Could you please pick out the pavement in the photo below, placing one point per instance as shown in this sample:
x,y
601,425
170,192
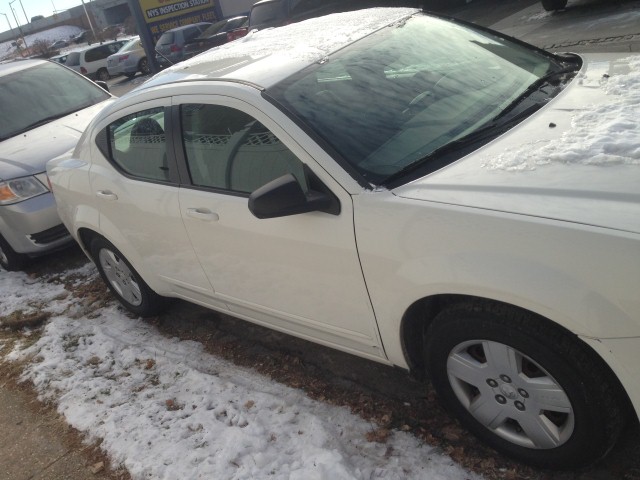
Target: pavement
x,y
36,444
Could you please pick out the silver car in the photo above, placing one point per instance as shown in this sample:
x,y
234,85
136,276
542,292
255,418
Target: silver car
x,y
129,60
45,108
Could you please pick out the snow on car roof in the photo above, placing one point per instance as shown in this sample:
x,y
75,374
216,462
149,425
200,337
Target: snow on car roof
x,y
254,57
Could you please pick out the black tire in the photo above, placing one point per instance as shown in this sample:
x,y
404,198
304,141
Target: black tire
x,y
551,5
572,426
103,75
11,260
124,282
143,66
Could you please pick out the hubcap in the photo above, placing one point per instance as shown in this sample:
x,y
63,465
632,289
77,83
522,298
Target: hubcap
x,y
120,277
510,394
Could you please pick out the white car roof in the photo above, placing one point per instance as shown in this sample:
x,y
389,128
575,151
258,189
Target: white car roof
x,y
265,57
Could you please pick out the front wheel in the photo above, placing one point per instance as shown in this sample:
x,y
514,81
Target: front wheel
x,y
550,5
124,282
525,387
11,260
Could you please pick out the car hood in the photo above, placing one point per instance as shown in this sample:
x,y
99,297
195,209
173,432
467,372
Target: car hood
x,y
27,153
577,159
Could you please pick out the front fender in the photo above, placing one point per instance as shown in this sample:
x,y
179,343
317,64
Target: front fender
x,y
580,277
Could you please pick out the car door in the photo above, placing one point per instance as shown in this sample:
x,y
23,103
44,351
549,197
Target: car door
x,y
298,273
135,183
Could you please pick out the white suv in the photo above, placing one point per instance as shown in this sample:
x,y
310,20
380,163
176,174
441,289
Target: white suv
x,y
92,61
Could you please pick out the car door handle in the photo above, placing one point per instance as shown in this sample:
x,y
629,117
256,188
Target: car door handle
x,y
106,194
202,214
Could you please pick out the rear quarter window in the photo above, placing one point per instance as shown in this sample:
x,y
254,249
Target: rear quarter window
x,y
96,54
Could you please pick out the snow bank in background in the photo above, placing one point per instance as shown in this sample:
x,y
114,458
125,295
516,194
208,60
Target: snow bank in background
x,y
600,135
166,409
62,32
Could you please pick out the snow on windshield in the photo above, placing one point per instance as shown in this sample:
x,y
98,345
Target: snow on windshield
x,y
603,134
166,409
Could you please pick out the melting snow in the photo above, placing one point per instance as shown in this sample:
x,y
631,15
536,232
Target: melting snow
x,y
166,409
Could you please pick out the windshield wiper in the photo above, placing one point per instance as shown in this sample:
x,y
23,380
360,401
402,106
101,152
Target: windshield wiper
x,y
497,125
534,87
39,123
438,158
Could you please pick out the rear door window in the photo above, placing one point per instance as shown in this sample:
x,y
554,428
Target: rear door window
x,y
138,144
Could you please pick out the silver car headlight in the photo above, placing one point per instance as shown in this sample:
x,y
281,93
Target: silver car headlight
x,y
20,189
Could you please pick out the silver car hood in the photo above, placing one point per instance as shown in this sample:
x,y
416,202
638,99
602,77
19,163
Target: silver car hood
x,y
27,153
577,159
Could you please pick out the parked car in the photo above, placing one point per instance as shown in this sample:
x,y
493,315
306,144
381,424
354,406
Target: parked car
x,y
92,61
550,5
275,13
45,108
217,34
59,58
58,45
170,45
81,37
369,190
129,60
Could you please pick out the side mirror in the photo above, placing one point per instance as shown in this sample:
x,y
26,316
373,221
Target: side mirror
x,y
284,196
102,85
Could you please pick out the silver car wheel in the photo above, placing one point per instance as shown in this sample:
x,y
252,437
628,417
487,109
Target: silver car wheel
x,y
120,277
510,394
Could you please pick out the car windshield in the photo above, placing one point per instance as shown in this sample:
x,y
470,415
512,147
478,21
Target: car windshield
x,y
130,45
213,29
266,13
166,38
42,93
387,102
73,59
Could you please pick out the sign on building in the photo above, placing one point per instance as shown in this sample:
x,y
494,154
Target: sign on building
x,y
162,15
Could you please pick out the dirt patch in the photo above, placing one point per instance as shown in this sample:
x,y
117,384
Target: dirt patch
x,y
97,463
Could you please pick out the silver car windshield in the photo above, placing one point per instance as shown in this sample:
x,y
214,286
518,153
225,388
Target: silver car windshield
x,y
388,101
41,94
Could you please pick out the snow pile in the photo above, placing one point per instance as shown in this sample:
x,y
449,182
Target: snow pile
x,y
166,409
604,134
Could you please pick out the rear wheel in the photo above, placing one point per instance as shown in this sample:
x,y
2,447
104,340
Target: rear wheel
x,y
11,260
124,282
103,75
551,5
143,66
524,386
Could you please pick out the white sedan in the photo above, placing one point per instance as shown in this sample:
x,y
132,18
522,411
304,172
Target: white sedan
x,y
413,190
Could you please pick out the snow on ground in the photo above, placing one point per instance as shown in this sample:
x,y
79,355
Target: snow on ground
x,y
166,409
602,134
62,32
